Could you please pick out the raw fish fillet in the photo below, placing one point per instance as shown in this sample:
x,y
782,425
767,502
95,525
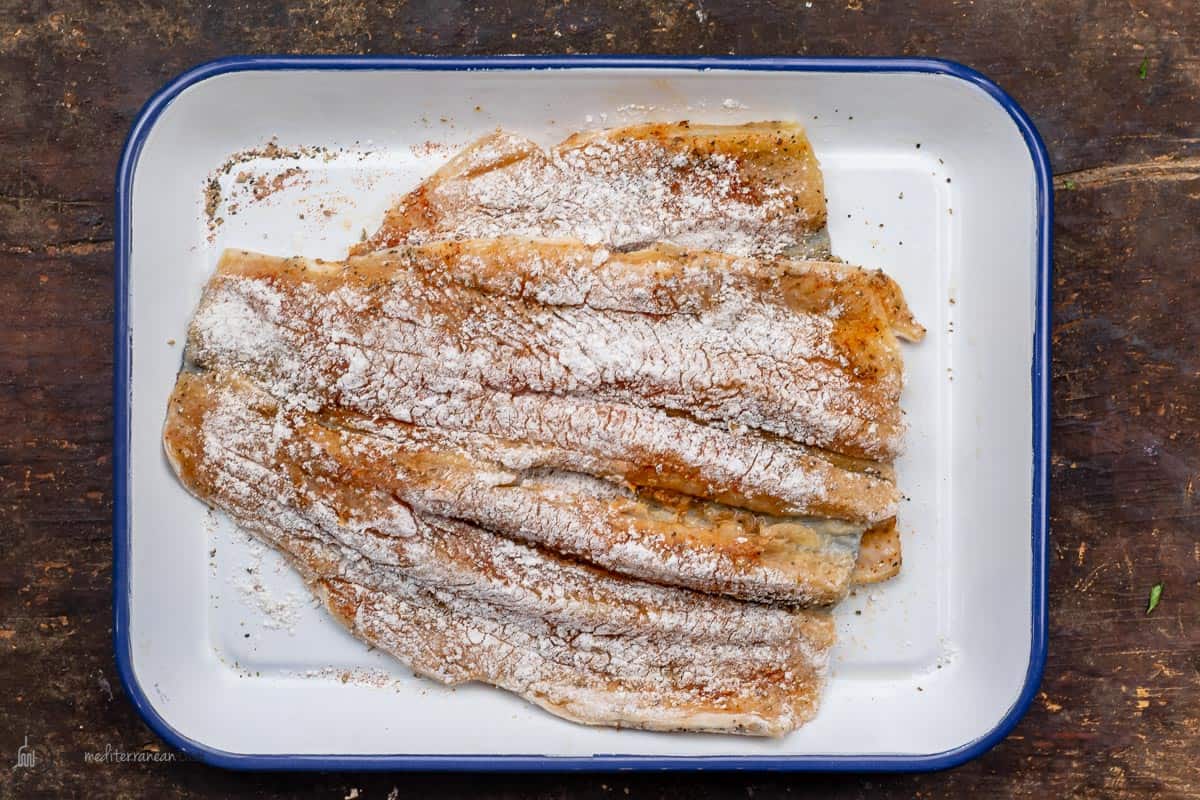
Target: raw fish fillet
x,y
751,189
459,603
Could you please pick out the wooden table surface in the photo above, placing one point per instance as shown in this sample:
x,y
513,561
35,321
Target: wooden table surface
x,y
1114,88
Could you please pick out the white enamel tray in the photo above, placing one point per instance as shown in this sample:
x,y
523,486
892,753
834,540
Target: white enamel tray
x,y
932,174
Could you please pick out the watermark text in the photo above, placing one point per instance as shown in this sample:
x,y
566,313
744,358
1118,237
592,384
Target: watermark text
x,y
112,755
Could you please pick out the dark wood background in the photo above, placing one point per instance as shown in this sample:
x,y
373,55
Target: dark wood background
x,y
1114,88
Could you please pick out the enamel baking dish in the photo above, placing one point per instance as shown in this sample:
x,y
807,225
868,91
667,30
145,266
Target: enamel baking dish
x,y
932,174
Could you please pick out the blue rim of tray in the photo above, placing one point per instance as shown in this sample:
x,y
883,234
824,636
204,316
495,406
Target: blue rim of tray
x,y
600,762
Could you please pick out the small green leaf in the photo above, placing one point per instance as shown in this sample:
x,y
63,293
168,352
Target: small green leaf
x,y
1144,69
1069,185
1155,596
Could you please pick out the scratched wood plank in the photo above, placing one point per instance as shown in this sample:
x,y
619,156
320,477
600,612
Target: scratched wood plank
x,y
1119,713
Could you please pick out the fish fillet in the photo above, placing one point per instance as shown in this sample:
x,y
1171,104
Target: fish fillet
x,y
743,189
800,349
309,332
659,536
459,603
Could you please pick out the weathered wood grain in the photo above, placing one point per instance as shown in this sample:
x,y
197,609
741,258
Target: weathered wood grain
x,y
1119,714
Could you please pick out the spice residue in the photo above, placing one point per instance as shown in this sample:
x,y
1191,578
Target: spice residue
x,y
258,187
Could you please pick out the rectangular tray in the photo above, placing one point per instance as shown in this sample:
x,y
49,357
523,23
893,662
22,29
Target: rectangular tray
x,y
932,173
